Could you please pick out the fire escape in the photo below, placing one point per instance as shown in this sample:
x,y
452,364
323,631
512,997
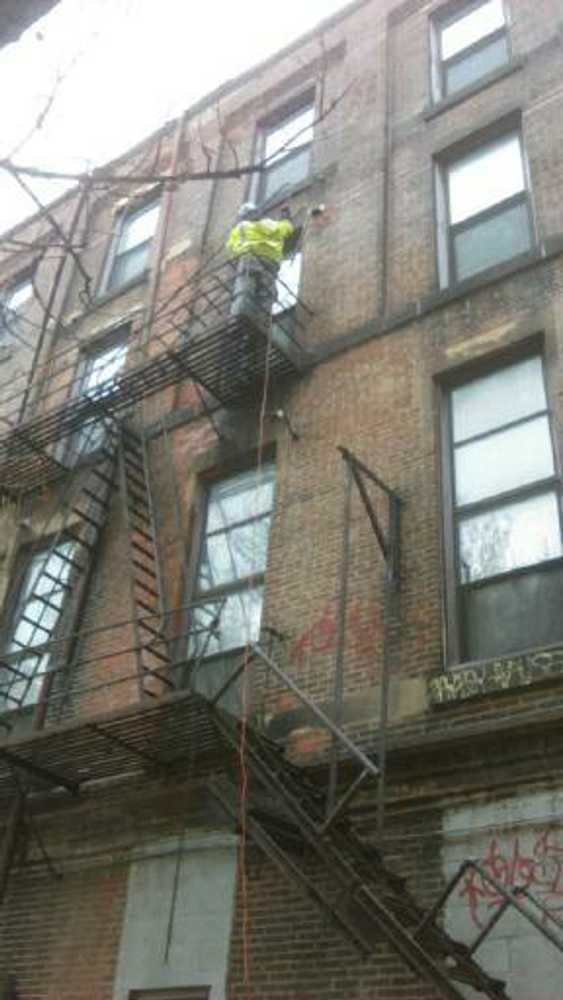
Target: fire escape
x,y
301,824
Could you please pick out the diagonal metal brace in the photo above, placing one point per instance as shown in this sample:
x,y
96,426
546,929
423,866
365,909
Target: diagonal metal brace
x,y
40,772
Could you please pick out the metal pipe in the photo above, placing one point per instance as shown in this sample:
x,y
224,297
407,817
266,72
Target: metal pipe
x,y
345,800
391,617
341,636
50,302
10,841
368,472
162,230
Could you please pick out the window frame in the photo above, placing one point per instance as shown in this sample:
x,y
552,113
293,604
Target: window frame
x,y
126,216
447,231
443,19
18,281
264,129
89,351
173,993
452,513
15,604
198,596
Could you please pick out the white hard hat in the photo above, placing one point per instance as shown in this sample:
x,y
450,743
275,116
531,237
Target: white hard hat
x,y
247,210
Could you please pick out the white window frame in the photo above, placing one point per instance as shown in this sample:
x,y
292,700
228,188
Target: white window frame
x,y
444,19
11,315
266,130
127,218
448,230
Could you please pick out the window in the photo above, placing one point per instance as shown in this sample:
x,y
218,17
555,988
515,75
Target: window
x,y
189,993
487,208
12,310
286,148
287,289
506,510
97,377
469,44
34,618
232,563
129,255
289,277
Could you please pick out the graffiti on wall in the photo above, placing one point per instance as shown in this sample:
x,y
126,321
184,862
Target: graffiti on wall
x,y
536,866
495,675
362,621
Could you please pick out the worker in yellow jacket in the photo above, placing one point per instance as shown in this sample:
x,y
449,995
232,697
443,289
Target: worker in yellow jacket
x,y
259,244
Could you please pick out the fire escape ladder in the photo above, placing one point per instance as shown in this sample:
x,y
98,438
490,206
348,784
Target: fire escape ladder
x,y
147,605
64,565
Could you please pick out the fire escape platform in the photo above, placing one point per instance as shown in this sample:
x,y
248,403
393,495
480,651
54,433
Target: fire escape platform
x,y
177,728
232,361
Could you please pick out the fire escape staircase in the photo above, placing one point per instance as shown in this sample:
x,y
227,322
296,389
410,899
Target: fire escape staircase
x,y
287,815
84,509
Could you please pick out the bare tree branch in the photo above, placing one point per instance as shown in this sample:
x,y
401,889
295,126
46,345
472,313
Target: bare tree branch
x,y
100,177
46,213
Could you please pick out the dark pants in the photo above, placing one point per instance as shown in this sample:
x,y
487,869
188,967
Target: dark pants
x,y
253,295
254,291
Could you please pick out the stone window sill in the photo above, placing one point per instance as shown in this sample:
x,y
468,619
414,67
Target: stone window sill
x,y
499,675
104,297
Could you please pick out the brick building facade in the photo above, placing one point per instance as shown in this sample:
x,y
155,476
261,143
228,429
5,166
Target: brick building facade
x,y
361,498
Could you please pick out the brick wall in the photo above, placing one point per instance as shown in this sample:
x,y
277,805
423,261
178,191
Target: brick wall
x,y
370,276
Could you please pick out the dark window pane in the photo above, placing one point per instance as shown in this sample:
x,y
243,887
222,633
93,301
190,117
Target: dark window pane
x,y
509,537
475,65
515,614
286,173
492,241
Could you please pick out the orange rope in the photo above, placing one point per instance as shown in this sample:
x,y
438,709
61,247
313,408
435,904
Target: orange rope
x,y
243,788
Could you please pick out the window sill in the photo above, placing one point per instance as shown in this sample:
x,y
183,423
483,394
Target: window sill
x,y
415,311
496,676
105,297
474,88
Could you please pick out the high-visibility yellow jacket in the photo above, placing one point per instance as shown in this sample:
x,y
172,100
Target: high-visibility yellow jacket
x,y
262,238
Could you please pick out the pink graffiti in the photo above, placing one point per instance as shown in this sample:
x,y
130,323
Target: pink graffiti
x,y
539,870
321,637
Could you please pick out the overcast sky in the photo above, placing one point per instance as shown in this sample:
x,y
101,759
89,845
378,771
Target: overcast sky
x,y
126,66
